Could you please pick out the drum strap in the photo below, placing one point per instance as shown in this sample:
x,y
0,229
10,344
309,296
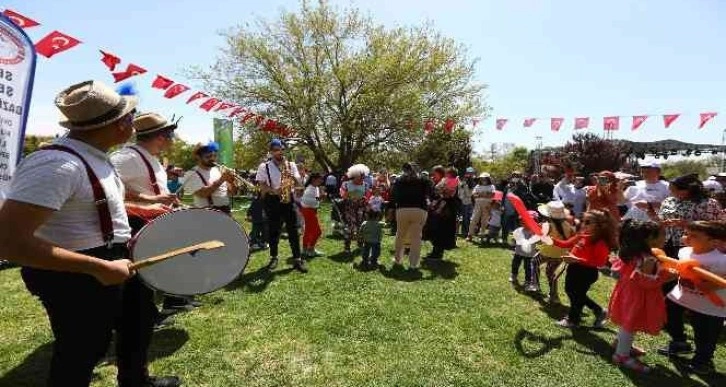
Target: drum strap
x,y
99,195
204,181
150,169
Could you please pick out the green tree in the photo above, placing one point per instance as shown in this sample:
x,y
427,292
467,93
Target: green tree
x,y
441,148
32,143
349,87
500,168
674,169
591,153
180,154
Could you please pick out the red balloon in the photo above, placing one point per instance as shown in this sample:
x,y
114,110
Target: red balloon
x,y
527,220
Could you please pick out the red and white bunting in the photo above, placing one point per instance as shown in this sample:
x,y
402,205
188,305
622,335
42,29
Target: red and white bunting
x,y
449,125
20,20
197,96
705,117
161,82
110,60
175,90
501,122
556,124
132,70
209,104
669,118
528,122
55,43
582,123
637,121
611,123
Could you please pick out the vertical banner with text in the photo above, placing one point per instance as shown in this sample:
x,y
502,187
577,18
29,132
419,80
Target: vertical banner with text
x,y
223,137
17,70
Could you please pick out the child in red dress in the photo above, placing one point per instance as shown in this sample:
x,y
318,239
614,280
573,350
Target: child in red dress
x,y
637,303
589,251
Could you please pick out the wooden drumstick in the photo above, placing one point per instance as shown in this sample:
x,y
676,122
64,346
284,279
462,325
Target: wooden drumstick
x,y
703,273
175,253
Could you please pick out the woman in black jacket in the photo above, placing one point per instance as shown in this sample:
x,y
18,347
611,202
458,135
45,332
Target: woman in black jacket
x,y
409,197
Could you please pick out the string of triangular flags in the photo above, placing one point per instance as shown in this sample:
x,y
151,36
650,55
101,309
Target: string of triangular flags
x,y
608,123
57,42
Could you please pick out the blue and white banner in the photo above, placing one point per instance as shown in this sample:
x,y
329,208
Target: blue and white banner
x,y
17,70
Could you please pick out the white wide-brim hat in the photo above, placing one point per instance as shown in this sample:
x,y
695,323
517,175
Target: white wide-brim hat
x,y
92,105
553,210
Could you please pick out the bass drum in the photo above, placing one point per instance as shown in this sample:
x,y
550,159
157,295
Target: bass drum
x,y
200,272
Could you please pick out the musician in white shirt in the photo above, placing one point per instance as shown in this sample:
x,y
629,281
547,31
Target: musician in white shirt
x,y
67,227
269,176
210,186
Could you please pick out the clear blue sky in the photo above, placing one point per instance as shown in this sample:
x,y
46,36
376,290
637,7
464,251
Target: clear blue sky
x,y
540,58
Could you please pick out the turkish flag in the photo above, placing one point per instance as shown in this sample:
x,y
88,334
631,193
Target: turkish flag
x,y
705,117
176,90
637,121
669,118
161,82
501,122
110,60
429,126
270,126
196,96
132,70
582,122
556,124
449,125
224,105
611,123
209,104
20,20
247,117
55,43
259,120
236,111
528,122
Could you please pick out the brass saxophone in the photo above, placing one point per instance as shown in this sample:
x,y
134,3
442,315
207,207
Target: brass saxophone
x,y
287,182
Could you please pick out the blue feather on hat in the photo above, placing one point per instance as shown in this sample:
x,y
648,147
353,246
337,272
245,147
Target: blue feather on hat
x,y
127,89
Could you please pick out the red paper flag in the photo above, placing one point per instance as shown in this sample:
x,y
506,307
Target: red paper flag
x,y
209,104
247,117
475,122
637,121
611,123
110,60
556,124
259,120
236,111
501,122
582,122
669,118
429,126
20,20
528,122
196,96
55,43
161,82
224,105
132,70
449,125
270,126
705,117
176,90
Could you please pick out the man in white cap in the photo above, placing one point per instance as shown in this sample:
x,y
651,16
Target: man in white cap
x,y
69,232
647,194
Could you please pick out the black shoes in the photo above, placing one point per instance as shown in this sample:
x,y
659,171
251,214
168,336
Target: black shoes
x,y
676,348
162,381
300,265
272,264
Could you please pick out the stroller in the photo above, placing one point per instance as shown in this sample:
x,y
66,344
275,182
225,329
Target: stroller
x,y
336,216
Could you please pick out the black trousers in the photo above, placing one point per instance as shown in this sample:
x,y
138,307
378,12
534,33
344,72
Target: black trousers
x,y
706,331
83,314
578,281
517,262
674,325
277,213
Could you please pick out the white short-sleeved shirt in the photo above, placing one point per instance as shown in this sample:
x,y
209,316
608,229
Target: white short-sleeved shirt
x,y
134,173
58,180
275,174
656,192
564,192
310,197
483,189
683,294
192,184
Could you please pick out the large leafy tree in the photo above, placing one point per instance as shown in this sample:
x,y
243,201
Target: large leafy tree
x,y
349,87
441,148
594,154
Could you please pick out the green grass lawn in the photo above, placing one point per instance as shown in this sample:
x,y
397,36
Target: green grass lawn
x,y
461,324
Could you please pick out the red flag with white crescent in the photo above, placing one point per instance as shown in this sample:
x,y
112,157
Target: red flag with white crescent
x,y
176,90
669,118
528,122
236,111
582,122
259,120
209,104
55,43
637,121
224,105
247,117
611,123
162,82
449,125
20,20
705,117
556,124
132,70
110,60
429,126
196,96
270,126
501,122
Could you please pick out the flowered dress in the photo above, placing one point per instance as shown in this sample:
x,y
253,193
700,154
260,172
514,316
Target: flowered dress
x,y
354,209
637,303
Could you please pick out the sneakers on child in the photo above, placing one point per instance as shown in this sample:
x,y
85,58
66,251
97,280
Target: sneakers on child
x,y
631,363
600,319
532,288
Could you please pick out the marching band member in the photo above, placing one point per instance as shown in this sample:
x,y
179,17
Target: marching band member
x,y
280,209
145,179
210,186
69,232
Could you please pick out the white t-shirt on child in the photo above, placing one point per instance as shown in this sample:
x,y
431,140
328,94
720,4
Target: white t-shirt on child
x,y
375,203
483,189
310,197
685,295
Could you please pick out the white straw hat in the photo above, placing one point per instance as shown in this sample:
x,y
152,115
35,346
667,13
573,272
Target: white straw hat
x,y
147,123
92,105
553,210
